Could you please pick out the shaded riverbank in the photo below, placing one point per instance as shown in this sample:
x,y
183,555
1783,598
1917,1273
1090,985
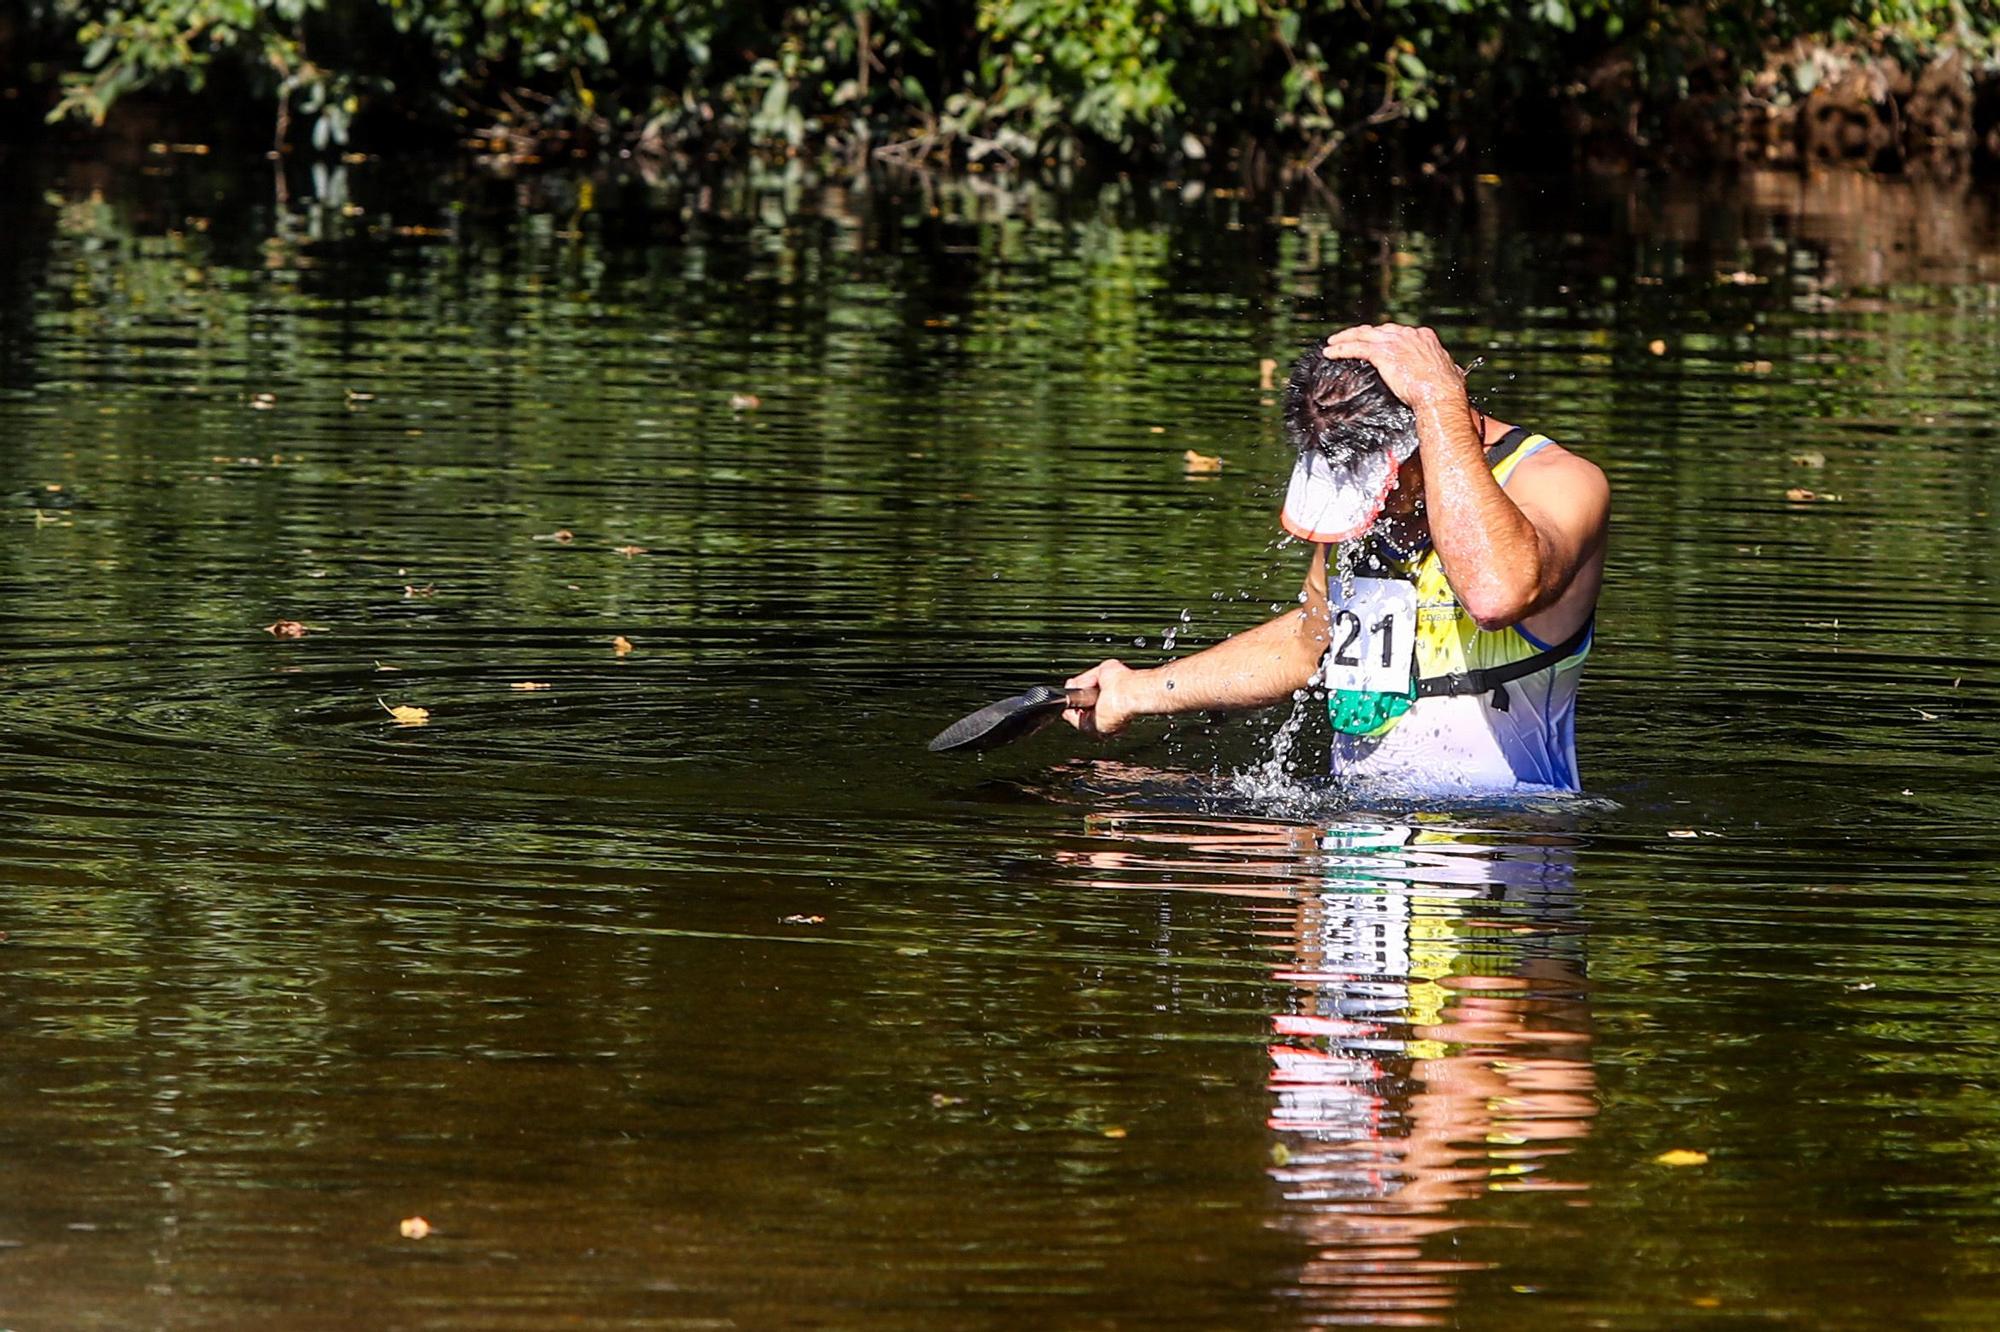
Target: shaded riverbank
x,y
1261,94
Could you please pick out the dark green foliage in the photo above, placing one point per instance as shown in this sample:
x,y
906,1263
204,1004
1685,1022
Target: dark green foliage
x,y
1008,77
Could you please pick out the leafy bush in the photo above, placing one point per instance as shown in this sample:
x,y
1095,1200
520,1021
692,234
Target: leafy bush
x,y
1008,76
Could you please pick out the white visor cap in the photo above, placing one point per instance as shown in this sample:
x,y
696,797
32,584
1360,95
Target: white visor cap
x,y
1338,501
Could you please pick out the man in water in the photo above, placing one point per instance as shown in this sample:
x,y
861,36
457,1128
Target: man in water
x,y
1455,571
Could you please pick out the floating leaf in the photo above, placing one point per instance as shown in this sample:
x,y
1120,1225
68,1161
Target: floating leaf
x,y
1809,458
629,551
1681,1156
1682,832
1658,346
744,402
285,629
1201,464
1800,495
621,646
414,1227
1114,1132
528,684
805,920
407,715
427,590
1267,370
562,536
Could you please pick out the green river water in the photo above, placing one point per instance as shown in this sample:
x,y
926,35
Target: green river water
x,y
691,992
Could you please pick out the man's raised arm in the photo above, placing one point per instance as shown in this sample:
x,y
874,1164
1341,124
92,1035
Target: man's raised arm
x,y
1510,555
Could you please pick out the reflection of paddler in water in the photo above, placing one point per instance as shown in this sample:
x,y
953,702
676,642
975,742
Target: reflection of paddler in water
x,y
1436,1046
1438,1052
1451,634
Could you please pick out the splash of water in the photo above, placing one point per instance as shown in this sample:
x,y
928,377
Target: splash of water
x,y
1270,783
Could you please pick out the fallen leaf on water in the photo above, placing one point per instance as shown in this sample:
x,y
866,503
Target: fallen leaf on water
x,y
1266,370
1800,495
1809,458
1281,1155
1682,832
285,629
1658,346
406,715
562,536
414,1227
427,590
940,1100
380,667
1740,278
805,920
744,402
1114,1132
263,402
1156,430
629,551
528,684
621,645
1201,464
1681,1156
1927,716
1756,367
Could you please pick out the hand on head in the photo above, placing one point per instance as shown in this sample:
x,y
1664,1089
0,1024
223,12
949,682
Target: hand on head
x,y
1411,361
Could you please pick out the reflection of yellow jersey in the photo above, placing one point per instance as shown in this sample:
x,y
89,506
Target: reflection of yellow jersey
x,y
1482,710
1386,936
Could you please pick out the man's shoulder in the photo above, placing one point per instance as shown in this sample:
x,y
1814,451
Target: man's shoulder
x,y
1553,474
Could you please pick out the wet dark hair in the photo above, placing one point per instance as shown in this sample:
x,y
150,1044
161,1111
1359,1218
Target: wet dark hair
x,y
1343,409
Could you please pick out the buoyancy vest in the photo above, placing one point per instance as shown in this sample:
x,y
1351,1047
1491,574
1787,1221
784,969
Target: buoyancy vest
x,y
1392,594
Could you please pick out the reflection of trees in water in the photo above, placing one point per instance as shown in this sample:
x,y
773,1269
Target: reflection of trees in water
x,y
1436,1045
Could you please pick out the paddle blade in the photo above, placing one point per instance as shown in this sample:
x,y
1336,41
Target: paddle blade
x,y
1001,723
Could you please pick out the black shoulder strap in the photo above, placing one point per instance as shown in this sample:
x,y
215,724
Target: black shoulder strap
x,y
1503,448
1492,677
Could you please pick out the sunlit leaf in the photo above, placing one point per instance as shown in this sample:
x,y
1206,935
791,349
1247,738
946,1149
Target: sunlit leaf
x,y
407,714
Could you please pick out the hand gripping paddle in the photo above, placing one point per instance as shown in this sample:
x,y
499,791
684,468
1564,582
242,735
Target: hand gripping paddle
x,y
1010,719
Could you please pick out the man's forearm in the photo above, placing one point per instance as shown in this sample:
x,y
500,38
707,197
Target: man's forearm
x,y
1491,552
1252,669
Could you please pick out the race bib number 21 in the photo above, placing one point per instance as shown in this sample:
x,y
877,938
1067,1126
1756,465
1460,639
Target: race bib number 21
x,y
1374,636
